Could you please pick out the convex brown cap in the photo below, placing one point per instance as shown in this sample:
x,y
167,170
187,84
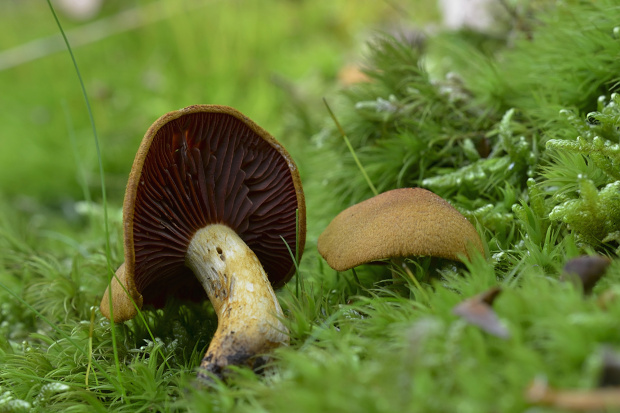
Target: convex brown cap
x,y
203,165
397,223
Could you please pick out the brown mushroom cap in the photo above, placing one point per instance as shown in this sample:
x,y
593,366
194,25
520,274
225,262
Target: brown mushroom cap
x,y
397,223
205,164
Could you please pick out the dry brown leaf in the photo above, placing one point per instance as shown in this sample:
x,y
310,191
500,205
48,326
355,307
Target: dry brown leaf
x,y
585,270
478,311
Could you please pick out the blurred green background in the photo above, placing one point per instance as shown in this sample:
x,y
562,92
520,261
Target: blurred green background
x,y
140,59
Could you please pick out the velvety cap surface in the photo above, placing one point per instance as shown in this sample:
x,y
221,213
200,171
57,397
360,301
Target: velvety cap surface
x,y
397,223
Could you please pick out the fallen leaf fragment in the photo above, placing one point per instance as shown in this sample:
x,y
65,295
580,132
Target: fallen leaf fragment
x,y
478,311
585,271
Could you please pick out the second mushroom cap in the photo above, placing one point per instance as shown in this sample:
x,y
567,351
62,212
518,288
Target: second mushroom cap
x,y
397,223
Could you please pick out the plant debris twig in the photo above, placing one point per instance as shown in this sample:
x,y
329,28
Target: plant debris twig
x,y
580,400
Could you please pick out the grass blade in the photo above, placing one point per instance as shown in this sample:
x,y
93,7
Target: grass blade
x,y
346,140
103,191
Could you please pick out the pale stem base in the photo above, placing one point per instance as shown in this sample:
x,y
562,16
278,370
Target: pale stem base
x,y
247,309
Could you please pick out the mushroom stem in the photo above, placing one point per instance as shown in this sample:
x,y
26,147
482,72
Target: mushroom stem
x,y
400,262
247,309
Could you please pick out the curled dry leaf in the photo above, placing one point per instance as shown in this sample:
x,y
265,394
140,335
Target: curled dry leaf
x,y
478,311
579,400
585,271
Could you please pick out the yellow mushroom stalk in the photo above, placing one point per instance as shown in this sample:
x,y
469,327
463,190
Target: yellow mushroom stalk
x,y
249,315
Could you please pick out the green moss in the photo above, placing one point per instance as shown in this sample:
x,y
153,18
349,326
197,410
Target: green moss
x,y
582,180
512,130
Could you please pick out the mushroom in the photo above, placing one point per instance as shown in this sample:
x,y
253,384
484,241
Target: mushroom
x,y
213,204
398,223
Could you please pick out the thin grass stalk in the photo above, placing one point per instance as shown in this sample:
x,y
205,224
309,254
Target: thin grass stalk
x,y
103,195
105,211
348,143
90,346
76,156
295,256
297,252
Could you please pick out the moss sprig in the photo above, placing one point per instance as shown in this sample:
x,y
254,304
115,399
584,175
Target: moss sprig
x,y
582,181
